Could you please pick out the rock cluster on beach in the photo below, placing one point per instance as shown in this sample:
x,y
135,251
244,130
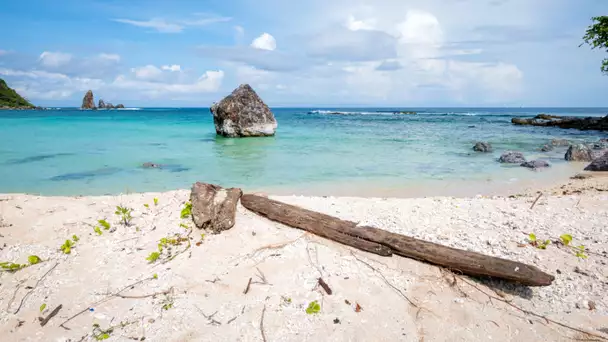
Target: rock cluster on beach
x,y
599,164
88,102
544,120
243,114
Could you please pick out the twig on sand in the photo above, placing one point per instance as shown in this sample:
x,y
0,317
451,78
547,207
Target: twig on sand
x,y
33,288
208,317
262,324
248,285
324,285
103,300
536,200
528,312
145,296
385,280
237,316
316,265
262,278
44,321
271,247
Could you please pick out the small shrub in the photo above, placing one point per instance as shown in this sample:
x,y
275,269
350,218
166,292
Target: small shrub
x,y
75,238
566,239
34,259
146,205
42,307
186,211
11,266
104,224
153,257
538,244
125,215
97,230
155,201
155,276
185,226
313,308
580,252
66,248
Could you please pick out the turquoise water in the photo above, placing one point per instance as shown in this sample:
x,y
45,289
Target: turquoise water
x,y
73,152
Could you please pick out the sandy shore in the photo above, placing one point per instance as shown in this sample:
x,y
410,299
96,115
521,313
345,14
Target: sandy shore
x,y
199,293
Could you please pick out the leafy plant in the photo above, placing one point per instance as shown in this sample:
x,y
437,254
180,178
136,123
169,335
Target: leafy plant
x,y
313,308
153,257
184,226
580,252
66,248
42,307
100,334
596,36
536,243
566,239
167,303
97,230
155,201
155,276
186,211
11,266
125,215
146,205
104,224
34,259
75,238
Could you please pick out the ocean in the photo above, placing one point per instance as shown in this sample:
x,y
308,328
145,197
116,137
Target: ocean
x,y
359,152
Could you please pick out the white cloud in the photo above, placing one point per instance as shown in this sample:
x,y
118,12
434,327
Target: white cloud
x,y
264,42
148,72
110,57
159,25
356,25
54,59
164,26
173,67
210,81
38,84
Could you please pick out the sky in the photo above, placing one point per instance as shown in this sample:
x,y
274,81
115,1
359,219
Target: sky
x,y
309,53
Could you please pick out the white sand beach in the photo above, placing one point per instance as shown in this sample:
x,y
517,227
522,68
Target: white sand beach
x,y
200,293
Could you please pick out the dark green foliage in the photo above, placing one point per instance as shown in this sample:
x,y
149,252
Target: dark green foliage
x,y
596,36
9,97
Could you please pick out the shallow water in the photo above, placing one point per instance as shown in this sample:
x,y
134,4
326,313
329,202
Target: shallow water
x,y
362,152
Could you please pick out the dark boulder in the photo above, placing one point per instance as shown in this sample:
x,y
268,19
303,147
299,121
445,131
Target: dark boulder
x,y
213,207
578,152
543,120
243,114
599,164
88,102
535,164
512,157
120,105
101,104
482,146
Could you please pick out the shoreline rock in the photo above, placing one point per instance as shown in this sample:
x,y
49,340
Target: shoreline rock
x,y
243,114
599,164
482,146
214,207
512,157
578,152
535,164
566,122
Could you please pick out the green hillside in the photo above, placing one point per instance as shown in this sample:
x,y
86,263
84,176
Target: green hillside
x,y
9,98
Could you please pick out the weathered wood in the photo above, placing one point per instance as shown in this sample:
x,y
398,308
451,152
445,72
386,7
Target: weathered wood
x,y
319,224
347,232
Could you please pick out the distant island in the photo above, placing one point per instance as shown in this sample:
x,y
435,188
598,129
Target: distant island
x,y
88,102
10,99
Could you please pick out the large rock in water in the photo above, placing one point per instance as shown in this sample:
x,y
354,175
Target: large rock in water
x,y
599,164
88,102
543,120
482,146
578,152
512,157
243,114
213,207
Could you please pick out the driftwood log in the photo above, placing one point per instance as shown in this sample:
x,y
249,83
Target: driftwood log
x,y
385,243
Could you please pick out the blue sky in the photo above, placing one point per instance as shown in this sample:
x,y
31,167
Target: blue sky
x,y
306,53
